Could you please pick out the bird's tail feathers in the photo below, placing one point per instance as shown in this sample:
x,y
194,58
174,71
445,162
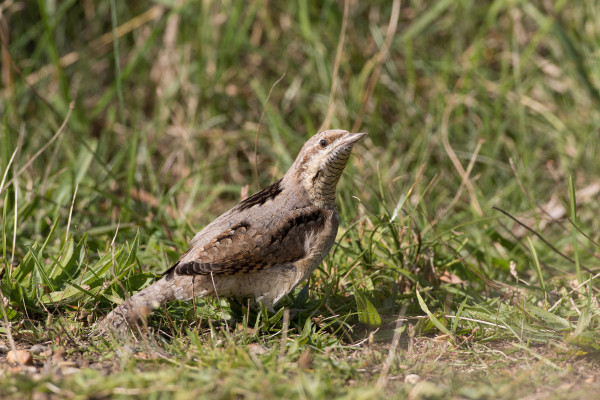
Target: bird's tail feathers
x,y
136,307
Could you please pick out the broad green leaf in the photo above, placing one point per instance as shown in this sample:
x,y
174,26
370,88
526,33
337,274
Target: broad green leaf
x,y
277,317
367,313
69,262
588,341
71,294
551,320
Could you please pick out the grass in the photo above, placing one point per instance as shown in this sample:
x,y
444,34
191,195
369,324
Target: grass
x,y
472,108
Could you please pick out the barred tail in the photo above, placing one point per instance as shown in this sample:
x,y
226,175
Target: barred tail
x,y
137,306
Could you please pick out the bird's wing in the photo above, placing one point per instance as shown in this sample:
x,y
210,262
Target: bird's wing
x,y
244,247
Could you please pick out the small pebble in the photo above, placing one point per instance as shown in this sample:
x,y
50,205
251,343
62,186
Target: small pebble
x,y
70,370
25,369
305,360
20,355
412,379
41,350
257,349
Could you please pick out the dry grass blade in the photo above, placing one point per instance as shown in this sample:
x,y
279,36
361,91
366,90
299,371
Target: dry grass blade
x,y
7,325
463,182
546,242
44,147
8,169
452,103
336,68
100,45
284,336
585,235
381,57
383,377
7,81
71,212
258,131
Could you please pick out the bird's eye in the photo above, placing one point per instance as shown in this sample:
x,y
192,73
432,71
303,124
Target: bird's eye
x,y
323,143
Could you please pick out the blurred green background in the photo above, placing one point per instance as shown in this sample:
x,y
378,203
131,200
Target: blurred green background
x,y
468,105
177,113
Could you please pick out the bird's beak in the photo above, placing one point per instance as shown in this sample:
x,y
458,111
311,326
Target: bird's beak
x,y
352,138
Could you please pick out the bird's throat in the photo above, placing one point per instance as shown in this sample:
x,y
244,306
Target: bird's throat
x,y
324,181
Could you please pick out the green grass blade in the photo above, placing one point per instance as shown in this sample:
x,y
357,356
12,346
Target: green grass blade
x,y
536,264
573,213
432,317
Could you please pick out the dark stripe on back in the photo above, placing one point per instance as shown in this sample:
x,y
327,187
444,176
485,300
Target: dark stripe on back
x,y
260,198
302,219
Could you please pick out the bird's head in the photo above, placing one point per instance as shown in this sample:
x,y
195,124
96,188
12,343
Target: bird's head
x,y
321,162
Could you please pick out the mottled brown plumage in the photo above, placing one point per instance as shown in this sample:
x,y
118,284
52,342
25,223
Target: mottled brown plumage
x,y
263,247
